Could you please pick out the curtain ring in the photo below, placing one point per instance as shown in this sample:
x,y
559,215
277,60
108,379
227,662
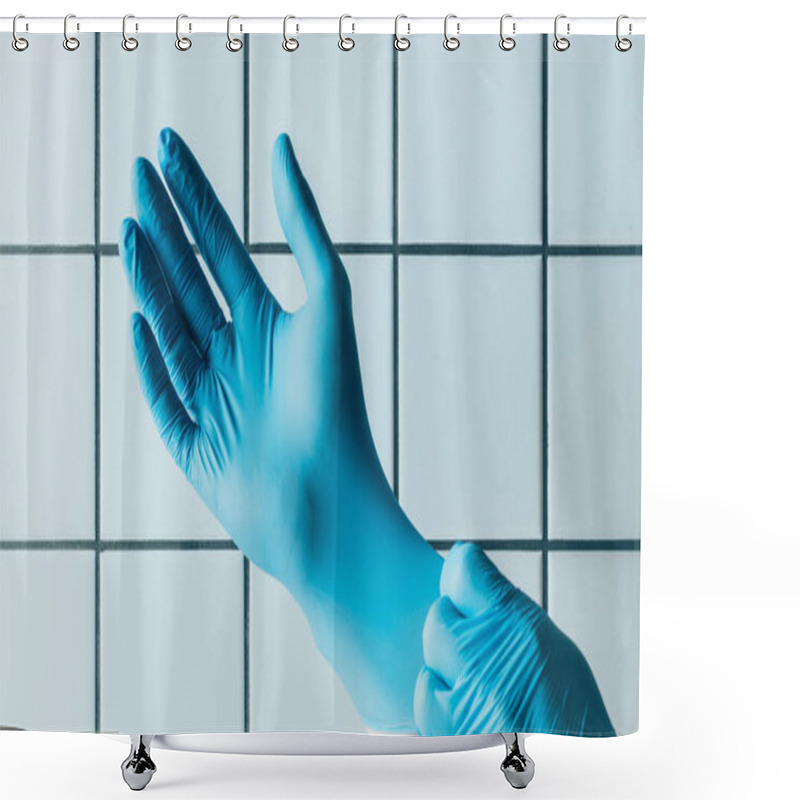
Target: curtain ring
x,y
451,42
70,42
182,42
128,42
18,43
233,44
561,43
623,45
345,42
400,42
507,42
289,45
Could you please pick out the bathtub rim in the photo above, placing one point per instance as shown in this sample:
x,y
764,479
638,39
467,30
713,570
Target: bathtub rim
x,y
331,743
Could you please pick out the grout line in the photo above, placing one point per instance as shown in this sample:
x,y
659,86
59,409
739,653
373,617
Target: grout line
x,y
246,231
96,250
545,253
47,249
366,248
538,545
246,626
158,545
395,281
594,249
246,140
105,545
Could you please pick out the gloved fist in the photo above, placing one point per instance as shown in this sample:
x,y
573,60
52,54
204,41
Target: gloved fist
x,y
495,662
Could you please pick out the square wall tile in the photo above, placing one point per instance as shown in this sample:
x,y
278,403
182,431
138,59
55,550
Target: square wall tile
x,y
47,640
172,641
595,142
594,396
292,685
371,285
198,92
143,493
594,599
337,109
47,389
470,395
522,567
47,142
470,134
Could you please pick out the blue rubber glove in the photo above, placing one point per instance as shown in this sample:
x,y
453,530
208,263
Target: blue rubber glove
x,y
265,416
495,662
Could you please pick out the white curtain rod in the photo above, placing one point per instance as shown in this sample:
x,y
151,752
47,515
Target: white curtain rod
x,y
351,25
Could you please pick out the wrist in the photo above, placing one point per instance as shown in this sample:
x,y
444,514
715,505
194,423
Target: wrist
x,y
367,607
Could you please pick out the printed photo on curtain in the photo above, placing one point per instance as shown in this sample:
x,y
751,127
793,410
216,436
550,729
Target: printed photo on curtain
x,y
320,385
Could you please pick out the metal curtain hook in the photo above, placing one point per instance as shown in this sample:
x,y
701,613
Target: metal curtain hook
x,y
128,42
345,42
182,42
18,43
400,42
451,42
70,42
233,44
623,45
289,45
507,42
561,43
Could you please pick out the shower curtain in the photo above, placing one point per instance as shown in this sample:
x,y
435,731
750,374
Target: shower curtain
x,y
320,385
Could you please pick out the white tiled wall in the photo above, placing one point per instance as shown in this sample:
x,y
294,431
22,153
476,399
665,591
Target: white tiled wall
x,y
47,652
595,142
47,148
172,635
594,599
198,92
293,686
470,141
339,116
470,395
47,397
470,351
523,568
594,396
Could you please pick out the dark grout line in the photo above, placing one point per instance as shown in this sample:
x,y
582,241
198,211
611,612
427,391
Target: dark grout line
x,y
545,366
47,249
465,249
246,627
105,545
160,545
594,249
395,281
246,231
365,248
96,251
551,545
246,140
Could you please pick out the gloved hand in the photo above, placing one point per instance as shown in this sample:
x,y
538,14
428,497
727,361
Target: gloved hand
x,y
495,662
265,416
